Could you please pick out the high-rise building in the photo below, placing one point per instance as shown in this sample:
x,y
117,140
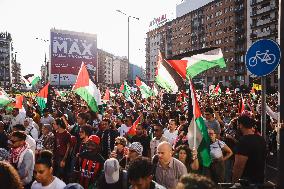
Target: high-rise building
x,y
105,67
120,67
263,23
219,23
16,72
155,41
5,59
111,69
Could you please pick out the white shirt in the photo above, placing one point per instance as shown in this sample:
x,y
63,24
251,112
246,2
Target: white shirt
x,y
123,129
31,142
19,119
31,130
47,120
56,184
216,149
171,136
154,144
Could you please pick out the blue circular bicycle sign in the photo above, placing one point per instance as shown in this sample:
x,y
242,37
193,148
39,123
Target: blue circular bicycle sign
x,y
263,57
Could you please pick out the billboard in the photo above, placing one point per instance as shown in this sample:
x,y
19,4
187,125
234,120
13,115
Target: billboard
x,y
68,50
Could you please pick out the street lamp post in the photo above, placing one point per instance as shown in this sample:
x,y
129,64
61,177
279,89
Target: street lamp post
x,y
128,18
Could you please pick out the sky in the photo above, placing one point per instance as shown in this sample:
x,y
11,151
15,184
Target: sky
x,y
27,20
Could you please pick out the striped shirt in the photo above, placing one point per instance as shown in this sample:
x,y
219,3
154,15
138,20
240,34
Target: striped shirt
x,y
168,177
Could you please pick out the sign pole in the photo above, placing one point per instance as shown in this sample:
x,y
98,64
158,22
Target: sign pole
x,y
263,107
263,112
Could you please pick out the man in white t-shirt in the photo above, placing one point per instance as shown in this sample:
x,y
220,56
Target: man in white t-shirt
x,y
158,138
17,118
47,118
124,128
171,133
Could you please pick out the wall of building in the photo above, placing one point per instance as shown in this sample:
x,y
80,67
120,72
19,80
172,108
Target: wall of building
x,y
219,23
189,5
136,71
263,23
5,59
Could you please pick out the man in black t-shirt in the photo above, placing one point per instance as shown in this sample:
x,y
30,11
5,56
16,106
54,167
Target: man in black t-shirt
x,y
250,153
143,139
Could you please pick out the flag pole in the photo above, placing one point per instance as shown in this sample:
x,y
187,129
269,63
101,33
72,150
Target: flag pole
x,y
193,108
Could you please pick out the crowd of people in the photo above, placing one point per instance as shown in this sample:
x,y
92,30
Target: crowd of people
x,y
66,145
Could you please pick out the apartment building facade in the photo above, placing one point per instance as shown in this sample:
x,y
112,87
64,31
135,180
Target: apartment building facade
x,y
219,23
263,24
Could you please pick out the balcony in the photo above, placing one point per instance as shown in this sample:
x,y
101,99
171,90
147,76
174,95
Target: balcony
x,y
255,2
265,9
262,22
263,34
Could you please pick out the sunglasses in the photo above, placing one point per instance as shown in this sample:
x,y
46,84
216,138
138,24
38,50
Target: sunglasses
x,y
117,143
156,130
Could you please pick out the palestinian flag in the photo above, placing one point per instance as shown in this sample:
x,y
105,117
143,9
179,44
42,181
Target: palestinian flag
x,y
241,106
126,90
32,79
132,131
217,90
86,89
60,93
4,98
163,76
252,92
41,97
189,67
211,89
145,90
228,92
107,95
20,104
155,90
202,143
121,87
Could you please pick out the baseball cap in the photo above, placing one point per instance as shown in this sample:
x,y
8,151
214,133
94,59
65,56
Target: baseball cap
x,y
137,147
111,169
95,139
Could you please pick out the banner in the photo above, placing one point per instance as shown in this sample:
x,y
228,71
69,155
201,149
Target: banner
x,y
68,51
